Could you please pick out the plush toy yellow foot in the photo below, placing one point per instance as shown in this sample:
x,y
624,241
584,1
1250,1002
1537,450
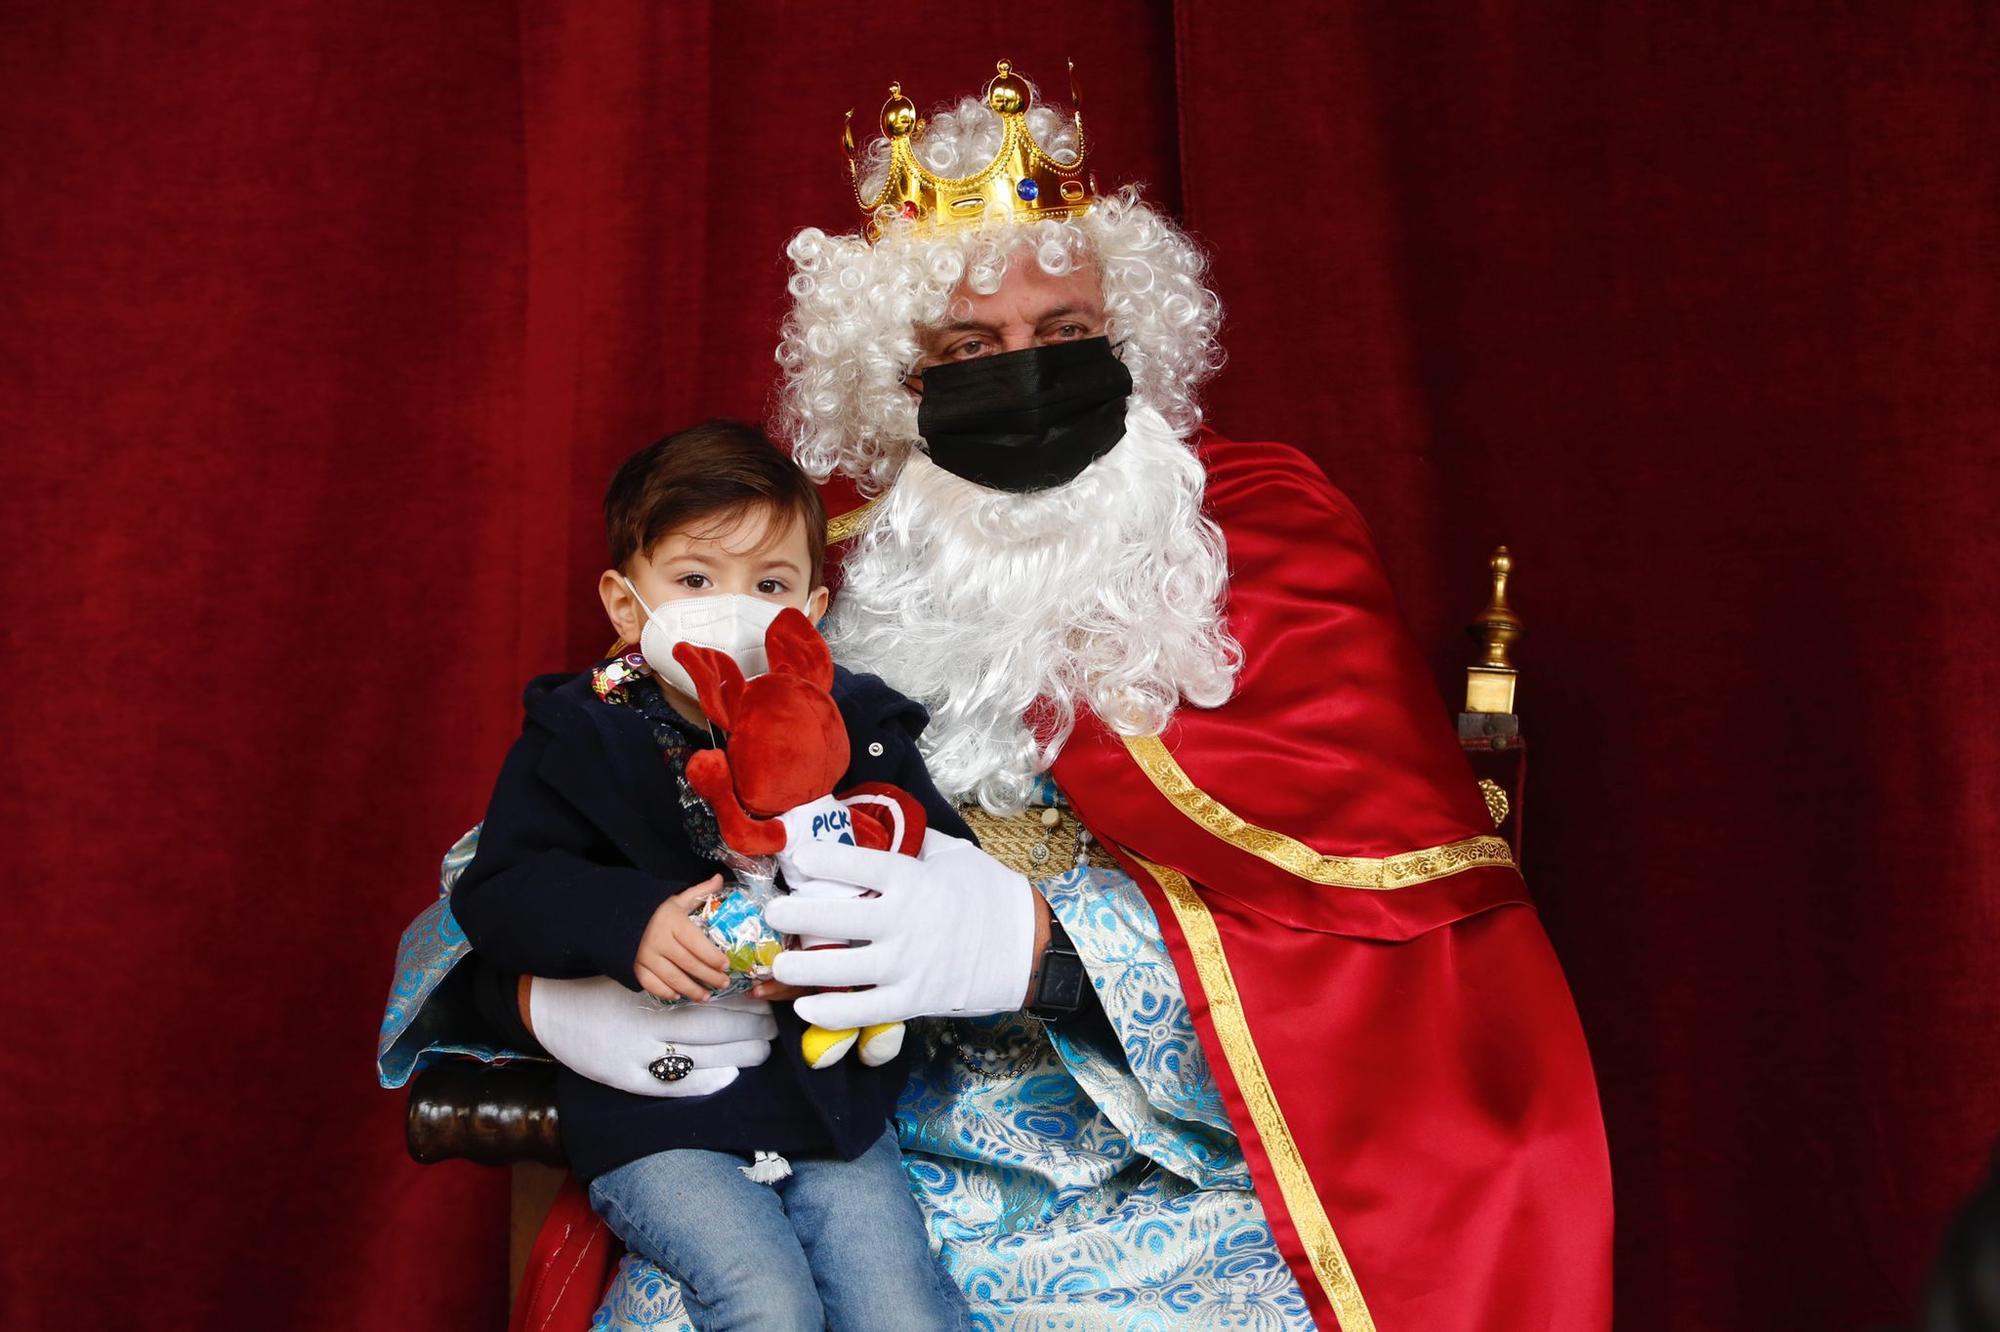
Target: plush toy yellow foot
x,y
823,1046
881,1043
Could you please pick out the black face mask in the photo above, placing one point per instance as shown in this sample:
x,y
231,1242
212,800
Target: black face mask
x,y
1025,420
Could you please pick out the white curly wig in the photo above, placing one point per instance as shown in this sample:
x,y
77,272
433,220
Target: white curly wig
x,y
851,337
1005,613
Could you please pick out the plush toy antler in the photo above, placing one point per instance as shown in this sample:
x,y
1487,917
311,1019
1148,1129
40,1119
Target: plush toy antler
x,y
773,788
787,743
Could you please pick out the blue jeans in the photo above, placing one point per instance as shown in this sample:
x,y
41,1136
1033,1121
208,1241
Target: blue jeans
x,y
840,1244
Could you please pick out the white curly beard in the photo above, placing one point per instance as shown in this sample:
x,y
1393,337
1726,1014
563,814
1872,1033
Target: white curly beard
x,y
990,608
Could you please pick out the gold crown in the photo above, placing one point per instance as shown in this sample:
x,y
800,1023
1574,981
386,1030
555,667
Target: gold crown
x,y
1021,183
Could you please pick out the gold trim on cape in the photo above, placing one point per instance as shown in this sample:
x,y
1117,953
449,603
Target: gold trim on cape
x,y
1232,1031
849,524
1380,874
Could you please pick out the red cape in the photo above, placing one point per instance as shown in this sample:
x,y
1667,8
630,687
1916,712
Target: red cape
x,y
1392,1033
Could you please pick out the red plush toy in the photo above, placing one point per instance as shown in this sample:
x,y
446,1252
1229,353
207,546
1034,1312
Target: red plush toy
x,y
773,788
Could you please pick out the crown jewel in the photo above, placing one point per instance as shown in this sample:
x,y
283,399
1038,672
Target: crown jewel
x,y
1022,183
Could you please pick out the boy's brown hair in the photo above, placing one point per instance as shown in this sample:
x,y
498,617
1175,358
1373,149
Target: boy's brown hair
x,y
709,470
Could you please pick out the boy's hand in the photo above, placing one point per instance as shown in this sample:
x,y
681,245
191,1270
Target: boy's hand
x,y
676,958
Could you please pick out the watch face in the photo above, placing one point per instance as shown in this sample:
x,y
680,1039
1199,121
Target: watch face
x,y
1063,979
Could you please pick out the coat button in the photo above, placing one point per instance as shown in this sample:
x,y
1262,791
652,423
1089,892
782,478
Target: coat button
x,y
875,749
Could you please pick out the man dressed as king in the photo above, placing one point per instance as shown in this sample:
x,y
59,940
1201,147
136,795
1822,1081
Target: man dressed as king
x,y
1239,1016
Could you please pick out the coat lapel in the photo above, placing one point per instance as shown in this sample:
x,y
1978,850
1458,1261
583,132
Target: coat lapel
x,y
616,775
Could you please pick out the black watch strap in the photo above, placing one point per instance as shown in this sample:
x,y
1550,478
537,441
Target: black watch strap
x,y
1060,979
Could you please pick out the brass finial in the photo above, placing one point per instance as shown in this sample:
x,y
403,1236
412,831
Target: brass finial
x,y
1489,684
1497,626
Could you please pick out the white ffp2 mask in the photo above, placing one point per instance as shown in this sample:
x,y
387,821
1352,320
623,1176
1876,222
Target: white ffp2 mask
x,y
728,622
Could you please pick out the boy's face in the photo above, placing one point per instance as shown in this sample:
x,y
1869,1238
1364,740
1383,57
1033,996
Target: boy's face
x,y
755,551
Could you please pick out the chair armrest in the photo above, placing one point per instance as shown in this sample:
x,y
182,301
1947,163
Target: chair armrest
x,y
494,1114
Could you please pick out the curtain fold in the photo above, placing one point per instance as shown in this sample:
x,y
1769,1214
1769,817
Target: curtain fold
x,y
322,328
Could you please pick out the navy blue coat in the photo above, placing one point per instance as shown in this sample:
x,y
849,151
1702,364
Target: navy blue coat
x,y
583,840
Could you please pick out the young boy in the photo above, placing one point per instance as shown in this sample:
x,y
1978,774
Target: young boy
x,y
594,853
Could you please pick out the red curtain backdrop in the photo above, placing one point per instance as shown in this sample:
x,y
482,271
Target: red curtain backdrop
x,y
322,327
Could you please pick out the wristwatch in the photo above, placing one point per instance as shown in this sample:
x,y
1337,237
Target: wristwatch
x,y
1060,979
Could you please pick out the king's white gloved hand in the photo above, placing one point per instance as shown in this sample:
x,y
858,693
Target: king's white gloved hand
x,y
950,932
610,1034
822,820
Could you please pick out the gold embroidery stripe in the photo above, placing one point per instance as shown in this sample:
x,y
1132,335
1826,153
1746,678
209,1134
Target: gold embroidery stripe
x,y
1232,1029
1295,857
849,523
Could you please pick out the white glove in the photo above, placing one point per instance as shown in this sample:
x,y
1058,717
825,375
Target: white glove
x,y
823,820
610,1034
950,932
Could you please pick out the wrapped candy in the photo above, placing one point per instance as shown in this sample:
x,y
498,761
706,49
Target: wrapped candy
x,y
734,921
